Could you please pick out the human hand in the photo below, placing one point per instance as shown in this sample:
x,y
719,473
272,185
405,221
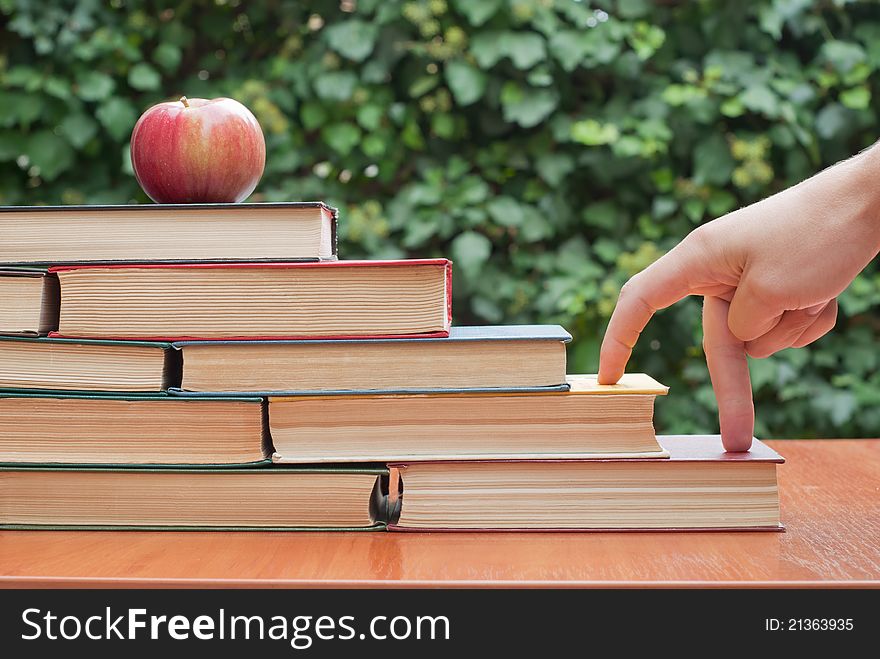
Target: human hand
x,y
769,274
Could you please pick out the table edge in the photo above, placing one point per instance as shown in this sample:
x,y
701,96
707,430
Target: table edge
x,y
43,582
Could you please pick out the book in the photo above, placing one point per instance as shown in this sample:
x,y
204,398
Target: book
x,y
517,357
338,299
589,420
282,499
29,301
83,429
700,487
167,232
86,365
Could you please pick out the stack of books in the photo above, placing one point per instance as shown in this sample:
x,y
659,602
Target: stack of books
x,y
216,367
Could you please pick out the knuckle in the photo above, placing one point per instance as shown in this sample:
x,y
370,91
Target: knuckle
x,y
738,403
723,349
699,239
631,293
630,288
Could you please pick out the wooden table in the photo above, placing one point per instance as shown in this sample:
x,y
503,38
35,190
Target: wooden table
x,y
830,497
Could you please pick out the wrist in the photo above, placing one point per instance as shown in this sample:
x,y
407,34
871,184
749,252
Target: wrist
x,y
860,192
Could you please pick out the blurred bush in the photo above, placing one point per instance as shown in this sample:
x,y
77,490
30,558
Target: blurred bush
x,y
551,147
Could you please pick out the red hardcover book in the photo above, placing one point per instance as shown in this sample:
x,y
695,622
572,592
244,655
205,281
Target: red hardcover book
x,y
701,487
206,301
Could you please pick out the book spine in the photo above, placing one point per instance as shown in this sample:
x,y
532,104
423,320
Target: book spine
x,y
448,296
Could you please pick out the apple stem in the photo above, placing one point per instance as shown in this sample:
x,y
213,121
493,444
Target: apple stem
x,y
184,101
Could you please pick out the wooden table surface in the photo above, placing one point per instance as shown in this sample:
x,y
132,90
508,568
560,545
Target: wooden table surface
x,y
830,498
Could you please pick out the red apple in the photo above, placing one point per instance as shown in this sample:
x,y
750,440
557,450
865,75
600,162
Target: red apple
x,y
198,151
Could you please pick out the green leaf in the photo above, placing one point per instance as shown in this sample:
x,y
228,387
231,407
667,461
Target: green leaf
x,y
335,85
12,145
763,372
50,153
602,46
342,138
831,120
527,107
506,211
373,146
94,86
470,251
487,309
554,167
168,56
144,77
762,100
312,115
353,38
630,146
19,108
540,76
646,39
443,126
770,20
79,129
536,227
840,405
713,163
525,49
477,11
529,49
721,202
676,94
593,133
57,87
370,116
423,85
694,209
633,8
663,207
569,47
843,55
488,48
857,98
118,116
43,45
412,135
466,83
603,215
126,167
732,107
22,76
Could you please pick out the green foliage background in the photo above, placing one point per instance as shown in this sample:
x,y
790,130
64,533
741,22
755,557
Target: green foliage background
x,y
553,148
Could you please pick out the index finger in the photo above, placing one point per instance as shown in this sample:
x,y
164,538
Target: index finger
x,y
658,286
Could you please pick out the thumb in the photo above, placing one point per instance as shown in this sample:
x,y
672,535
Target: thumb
x,y
729,371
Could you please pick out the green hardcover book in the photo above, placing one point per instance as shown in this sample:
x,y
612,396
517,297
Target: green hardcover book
x,y
51,365
131,431
272,499
29,301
